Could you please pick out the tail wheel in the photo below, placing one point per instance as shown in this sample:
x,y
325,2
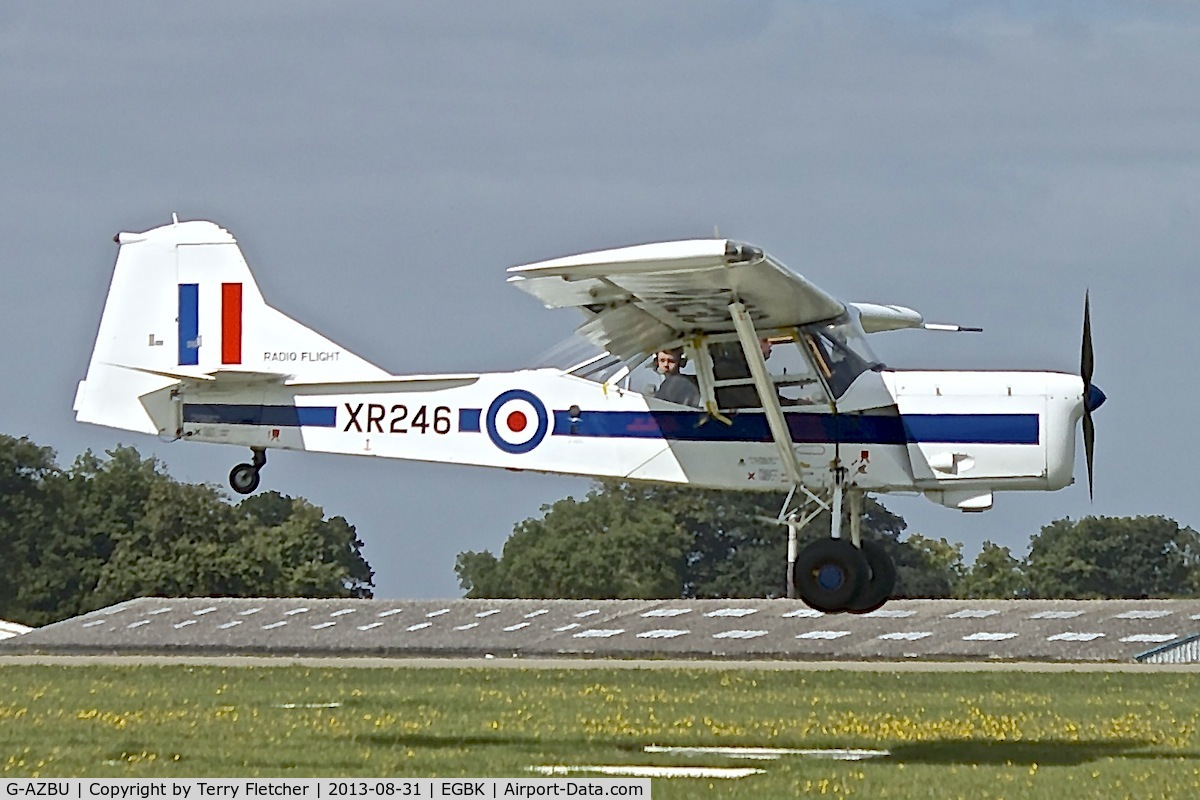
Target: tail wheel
x,y
244,478
878,588
830,574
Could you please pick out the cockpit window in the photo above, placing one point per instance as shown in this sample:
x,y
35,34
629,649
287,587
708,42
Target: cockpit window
x,y
789,368
842,353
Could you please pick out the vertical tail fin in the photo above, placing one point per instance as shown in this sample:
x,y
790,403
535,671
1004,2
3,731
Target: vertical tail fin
x,y
183,306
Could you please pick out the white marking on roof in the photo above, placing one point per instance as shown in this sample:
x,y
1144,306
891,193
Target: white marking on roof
x,y
229,625
771,753
891,613
984,636
343,612
11,629
739,634
666,612
662,633
466,627
250,611
488,613
1074,636
274,625
598,633
908,636
437,613
1151,637
973,613
823,635
732,612
419,626
517,627
1139,614
537,613
138,624
389,612
569,627
322,625
93,623
589,613
162,610
371,625
1055,615
293,612
803,612
635,771
204,611
183,624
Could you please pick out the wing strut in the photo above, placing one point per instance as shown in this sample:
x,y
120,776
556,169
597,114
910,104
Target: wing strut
x,y
766,391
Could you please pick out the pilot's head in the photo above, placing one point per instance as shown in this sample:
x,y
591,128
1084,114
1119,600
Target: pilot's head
x,y
764,344
668,362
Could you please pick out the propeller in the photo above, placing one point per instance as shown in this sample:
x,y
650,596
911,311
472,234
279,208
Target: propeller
x,y
1092,396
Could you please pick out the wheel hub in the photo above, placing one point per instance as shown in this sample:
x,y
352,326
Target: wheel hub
x,y
830,577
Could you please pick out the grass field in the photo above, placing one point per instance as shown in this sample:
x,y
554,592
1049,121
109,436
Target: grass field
x,y
949,734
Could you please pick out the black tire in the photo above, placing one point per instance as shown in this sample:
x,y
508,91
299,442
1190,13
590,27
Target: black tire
x,y
244,478
878,588
829,574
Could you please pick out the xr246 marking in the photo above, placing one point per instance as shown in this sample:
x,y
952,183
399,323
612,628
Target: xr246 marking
x,y
397,419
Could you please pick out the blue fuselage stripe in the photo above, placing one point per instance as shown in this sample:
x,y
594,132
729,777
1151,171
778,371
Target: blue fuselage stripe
x,y
689,426
696,426
271,416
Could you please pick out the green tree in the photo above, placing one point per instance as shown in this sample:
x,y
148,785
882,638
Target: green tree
x,y
1102,557
110,529
730,546
289,547
995,574
600,547
183,543
928,567
29,521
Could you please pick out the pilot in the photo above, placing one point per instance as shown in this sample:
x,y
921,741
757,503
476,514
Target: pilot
x,y
729,363
675,387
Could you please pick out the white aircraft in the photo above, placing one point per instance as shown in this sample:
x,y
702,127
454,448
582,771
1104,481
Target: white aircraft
x,y
188,349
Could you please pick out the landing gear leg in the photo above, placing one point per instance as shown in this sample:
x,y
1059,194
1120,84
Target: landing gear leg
x,y
244,478
839,574
796,519
830,573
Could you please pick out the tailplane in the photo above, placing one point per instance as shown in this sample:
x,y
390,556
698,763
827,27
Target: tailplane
x,y
182,308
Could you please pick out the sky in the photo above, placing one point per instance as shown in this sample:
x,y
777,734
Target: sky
x,y
382,164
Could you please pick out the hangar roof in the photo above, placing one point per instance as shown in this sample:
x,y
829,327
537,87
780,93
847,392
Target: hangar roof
x,y
1015,630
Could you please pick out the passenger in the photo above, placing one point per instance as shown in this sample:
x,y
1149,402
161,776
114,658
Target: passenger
x,y
675,387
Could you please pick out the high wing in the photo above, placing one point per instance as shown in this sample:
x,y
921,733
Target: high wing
x,y
639,298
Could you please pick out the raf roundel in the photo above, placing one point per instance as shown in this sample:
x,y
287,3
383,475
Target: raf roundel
x,y
517,421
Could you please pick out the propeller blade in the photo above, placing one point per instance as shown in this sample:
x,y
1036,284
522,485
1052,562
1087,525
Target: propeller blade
x,y
1089,446
1087,361
1086,358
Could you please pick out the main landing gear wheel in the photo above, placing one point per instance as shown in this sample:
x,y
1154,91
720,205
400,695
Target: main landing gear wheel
x,y
830,574
878,587
244,478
